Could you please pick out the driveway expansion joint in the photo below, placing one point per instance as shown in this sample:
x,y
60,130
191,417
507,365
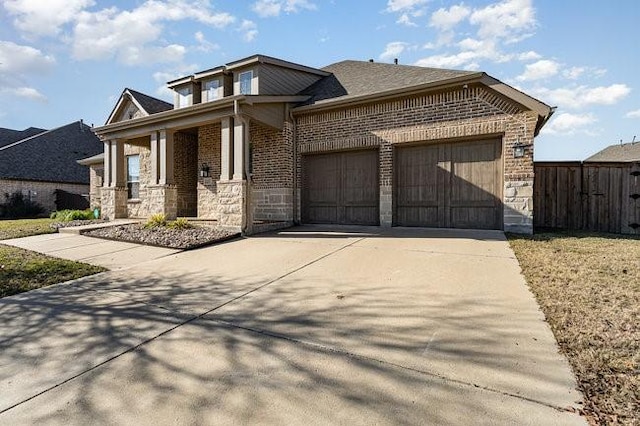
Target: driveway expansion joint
x,y
331,349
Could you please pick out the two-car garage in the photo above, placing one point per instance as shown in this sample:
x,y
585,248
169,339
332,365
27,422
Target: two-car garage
x,y
450,185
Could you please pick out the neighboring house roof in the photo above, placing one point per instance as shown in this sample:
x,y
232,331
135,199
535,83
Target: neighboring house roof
x,y
9,136
148,105
620,153
357,78
51,156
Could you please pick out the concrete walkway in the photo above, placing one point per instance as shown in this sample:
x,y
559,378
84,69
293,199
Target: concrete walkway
x,y
96,251
305,326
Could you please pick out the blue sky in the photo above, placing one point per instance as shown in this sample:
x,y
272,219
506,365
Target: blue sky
x,y
62,60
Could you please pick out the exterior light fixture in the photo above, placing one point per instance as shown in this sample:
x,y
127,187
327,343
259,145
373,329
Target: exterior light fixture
x,y
204,170
518,150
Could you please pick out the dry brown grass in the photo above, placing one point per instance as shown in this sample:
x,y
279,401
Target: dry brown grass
x,y
588,286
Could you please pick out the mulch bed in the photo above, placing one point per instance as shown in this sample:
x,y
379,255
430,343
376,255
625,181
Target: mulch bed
x,y
184,239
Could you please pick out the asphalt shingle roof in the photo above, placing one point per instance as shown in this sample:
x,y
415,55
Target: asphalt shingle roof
x,y
150,104
621,153
51,156
358,78
9,136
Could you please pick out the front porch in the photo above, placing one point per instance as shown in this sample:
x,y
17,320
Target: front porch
x,y
221,166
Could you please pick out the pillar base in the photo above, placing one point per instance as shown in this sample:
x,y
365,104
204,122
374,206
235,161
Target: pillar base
x,y
231,205
163,199
113,202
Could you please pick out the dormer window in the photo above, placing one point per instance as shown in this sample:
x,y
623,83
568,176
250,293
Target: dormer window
x,y
184,95
211,88
245,79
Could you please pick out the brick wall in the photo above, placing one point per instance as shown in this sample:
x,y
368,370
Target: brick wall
x,y
186,173
208,152
446,116
271,192
42,193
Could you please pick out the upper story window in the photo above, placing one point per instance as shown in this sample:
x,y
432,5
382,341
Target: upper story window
x,y
184,93
133,176
211,88
245,79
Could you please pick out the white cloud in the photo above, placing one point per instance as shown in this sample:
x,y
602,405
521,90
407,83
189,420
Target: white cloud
x,y
18,59
28,93
471,51
204,45
542,69
573,73
44,18
580,96
129,35
569,124
445,19
271,8
249,30
511,20
162,77
393,50
404,19
529,56
633,114
404,5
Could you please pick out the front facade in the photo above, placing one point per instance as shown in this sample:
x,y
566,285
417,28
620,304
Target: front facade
x,y
265,140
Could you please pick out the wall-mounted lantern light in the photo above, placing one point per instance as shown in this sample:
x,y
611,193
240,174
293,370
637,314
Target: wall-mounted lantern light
x,y
518,150
204,170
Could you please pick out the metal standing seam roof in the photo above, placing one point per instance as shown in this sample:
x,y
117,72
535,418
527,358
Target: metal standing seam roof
x,y
51,156
620,153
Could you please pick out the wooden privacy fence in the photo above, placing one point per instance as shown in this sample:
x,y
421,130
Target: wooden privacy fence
x,y
602,197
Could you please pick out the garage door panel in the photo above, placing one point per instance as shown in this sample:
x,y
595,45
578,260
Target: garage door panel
x,y
449,185
341,188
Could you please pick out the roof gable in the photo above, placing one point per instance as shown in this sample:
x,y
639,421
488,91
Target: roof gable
x,y
51,156
133,104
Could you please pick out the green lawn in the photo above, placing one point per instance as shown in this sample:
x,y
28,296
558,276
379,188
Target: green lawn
x,y
588,286
24,228
23,270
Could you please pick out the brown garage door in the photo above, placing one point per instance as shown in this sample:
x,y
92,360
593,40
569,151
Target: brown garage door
x,y
453,185
341,188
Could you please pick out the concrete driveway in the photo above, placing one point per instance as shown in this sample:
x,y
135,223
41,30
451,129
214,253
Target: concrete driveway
x,y
305,326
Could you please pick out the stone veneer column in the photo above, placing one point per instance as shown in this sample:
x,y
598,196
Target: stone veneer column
x,y
518,206
163,199
231,205
113,202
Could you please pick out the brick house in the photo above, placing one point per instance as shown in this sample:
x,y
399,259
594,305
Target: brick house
x,y
266,140
41,164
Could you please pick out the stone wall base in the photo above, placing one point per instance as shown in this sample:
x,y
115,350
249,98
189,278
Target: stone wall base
x,y
518,206
114,202
386,206
207,200
163,199
272,204
231,205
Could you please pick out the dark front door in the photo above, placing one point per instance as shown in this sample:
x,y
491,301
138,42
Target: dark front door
x,y
341,188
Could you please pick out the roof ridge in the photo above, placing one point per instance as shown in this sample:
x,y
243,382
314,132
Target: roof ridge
x,y
27,139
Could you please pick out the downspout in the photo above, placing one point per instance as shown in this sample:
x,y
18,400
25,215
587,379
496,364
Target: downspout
x,y
248,212
295,164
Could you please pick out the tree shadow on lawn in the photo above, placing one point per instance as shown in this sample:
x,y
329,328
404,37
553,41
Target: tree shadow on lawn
x,y
120,350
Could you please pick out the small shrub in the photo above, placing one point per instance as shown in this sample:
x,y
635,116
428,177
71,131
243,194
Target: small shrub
x,y
156,220
16,206
69,215
181,223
